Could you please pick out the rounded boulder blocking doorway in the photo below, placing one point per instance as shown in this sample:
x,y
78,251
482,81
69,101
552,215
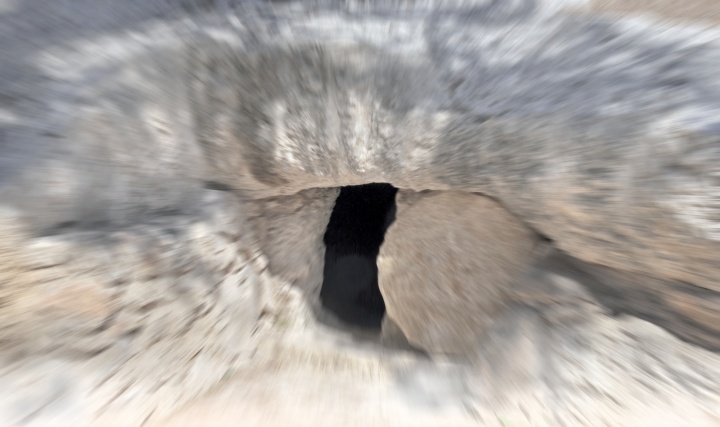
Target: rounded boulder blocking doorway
x,y
355,232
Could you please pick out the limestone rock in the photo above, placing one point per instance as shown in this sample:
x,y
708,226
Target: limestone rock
x,y
142,143
447,265
169,306
615,163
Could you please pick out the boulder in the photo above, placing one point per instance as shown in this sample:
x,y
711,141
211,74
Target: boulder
x,y
447,265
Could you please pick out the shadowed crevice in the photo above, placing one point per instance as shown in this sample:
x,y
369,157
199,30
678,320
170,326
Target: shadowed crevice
x,y
355,231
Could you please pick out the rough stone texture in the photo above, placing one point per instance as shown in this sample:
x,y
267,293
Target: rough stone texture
x,y
447,264
564,360
688,312
561,364
614,159
289,230
140,141
556,355
168,306
699,11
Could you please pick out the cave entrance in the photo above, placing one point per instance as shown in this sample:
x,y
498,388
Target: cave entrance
x,y
355,231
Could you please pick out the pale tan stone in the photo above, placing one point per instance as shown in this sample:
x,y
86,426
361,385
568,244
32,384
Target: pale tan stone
x,y
446,266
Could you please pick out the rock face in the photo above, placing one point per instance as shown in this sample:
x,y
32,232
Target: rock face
x,y
167,169
169,305
447,265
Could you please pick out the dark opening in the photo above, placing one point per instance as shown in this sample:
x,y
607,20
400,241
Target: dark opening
x,y
356,229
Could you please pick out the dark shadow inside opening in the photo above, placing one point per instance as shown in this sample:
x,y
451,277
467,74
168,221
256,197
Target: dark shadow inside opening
x,y
355,231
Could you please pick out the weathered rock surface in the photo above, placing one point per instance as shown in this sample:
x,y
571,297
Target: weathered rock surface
x,y
162,165
168,306
563,361
447,264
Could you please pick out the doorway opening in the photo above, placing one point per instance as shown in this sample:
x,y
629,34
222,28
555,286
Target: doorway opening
x,y
355,232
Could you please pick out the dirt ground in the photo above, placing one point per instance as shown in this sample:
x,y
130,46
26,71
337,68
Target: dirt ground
x,y
324,380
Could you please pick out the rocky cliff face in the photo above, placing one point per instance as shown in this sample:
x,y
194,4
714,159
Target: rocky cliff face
x,y
167,171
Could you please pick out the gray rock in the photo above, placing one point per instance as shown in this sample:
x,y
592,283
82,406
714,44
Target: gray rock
x,y
143,145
